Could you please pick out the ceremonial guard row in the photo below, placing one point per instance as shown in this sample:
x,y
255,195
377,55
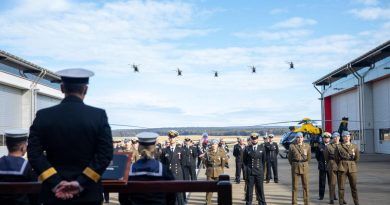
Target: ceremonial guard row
x,y
70,146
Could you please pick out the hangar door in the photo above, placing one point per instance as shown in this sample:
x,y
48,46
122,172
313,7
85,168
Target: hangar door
x,y
10,108
346,105
381,107
45,101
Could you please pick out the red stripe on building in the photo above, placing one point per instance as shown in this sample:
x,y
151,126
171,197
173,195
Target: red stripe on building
x,y
328,113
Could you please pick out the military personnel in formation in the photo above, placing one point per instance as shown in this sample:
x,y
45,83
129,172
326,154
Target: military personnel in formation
x,y
322,164
272,151
299,156
238,153
329,155
346,155
191,154
214,160
172,156
14,168
254,160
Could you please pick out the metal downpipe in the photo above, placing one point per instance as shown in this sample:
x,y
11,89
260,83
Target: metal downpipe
x,y
361,106
322,107
33,94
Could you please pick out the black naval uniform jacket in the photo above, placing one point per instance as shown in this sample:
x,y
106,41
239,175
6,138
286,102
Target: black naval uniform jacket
x,y
254,160
17,169
190,155
174,161
148,170
272,150
238,153
70,141
321,157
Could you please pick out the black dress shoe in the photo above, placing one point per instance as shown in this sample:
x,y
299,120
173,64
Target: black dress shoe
x,y
321,198
335,198
344,202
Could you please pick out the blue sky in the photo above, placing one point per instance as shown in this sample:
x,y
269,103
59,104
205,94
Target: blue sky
x,y
197,37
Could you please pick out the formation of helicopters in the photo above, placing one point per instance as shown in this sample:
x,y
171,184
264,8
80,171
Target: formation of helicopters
x,y
179,72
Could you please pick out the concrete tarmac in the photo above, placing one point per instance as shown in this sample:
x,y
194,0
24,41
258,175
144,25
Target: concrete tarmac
x,y
373,184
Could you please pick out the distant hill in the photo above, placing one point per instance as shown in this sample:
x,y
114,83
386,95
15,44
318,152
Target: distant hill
x,y
212,131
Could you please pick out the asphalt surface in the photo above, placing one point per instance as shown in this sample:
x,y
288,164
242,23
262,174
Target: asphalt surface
x,y
373,184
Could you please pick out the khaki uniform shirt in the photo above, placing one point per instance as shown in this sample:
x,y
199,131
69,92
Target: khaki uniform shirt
x,y
299,157
330,157
346,157
214,162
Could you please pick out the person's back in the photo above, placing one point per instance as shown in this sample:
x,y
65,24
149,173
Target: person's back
x,y
148,169
14,168
70,145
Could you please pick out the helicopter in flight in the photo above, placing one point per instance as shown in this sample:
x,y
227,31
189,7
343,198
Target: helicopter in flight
x,y
291,64
179,72
135,68
253,68
215,73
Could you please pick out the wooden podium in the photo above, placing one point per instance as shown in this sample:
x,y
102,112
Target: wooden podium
x,y
117,173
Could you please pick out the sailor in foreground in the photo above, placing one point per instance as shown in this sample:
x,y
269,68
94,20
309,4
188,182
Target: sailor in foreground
x,y
254,160
147,168
70,145
14,168
173,156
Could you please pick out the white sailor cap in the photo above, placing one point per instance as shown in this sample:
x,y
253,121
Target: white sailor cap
x,y
16,135
75,75
271,135
147,138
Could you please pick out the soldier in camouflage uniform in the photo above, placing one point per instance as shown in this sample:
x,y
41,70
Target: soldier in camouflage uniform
x,y
329,155
299,156
214,160
346,155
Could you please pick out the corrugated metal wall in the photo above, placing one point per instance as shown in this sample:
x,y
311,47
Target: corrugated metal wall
x,y
45,101
10,108
381,107
346,105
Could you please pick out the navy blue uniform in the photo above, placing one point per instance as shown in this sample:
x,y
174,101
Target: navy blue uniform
x,y
190,155
174,162
238,153
148,170
322,169
254,159
272,151
70,141
17,169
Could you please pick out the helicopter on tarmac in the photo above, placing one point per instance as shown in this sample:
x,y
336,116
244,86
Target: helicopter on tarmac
x,y
312,134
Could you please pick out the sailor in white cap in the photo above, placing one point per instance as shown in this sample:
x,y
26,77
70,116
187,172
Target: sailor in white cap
x,y
272,152
77,141
147,168
14,168
173,157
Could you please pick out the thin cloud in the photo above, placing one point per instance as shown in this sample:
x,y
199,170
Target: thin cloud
x,y
273,36
371,13
278,11
295,22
